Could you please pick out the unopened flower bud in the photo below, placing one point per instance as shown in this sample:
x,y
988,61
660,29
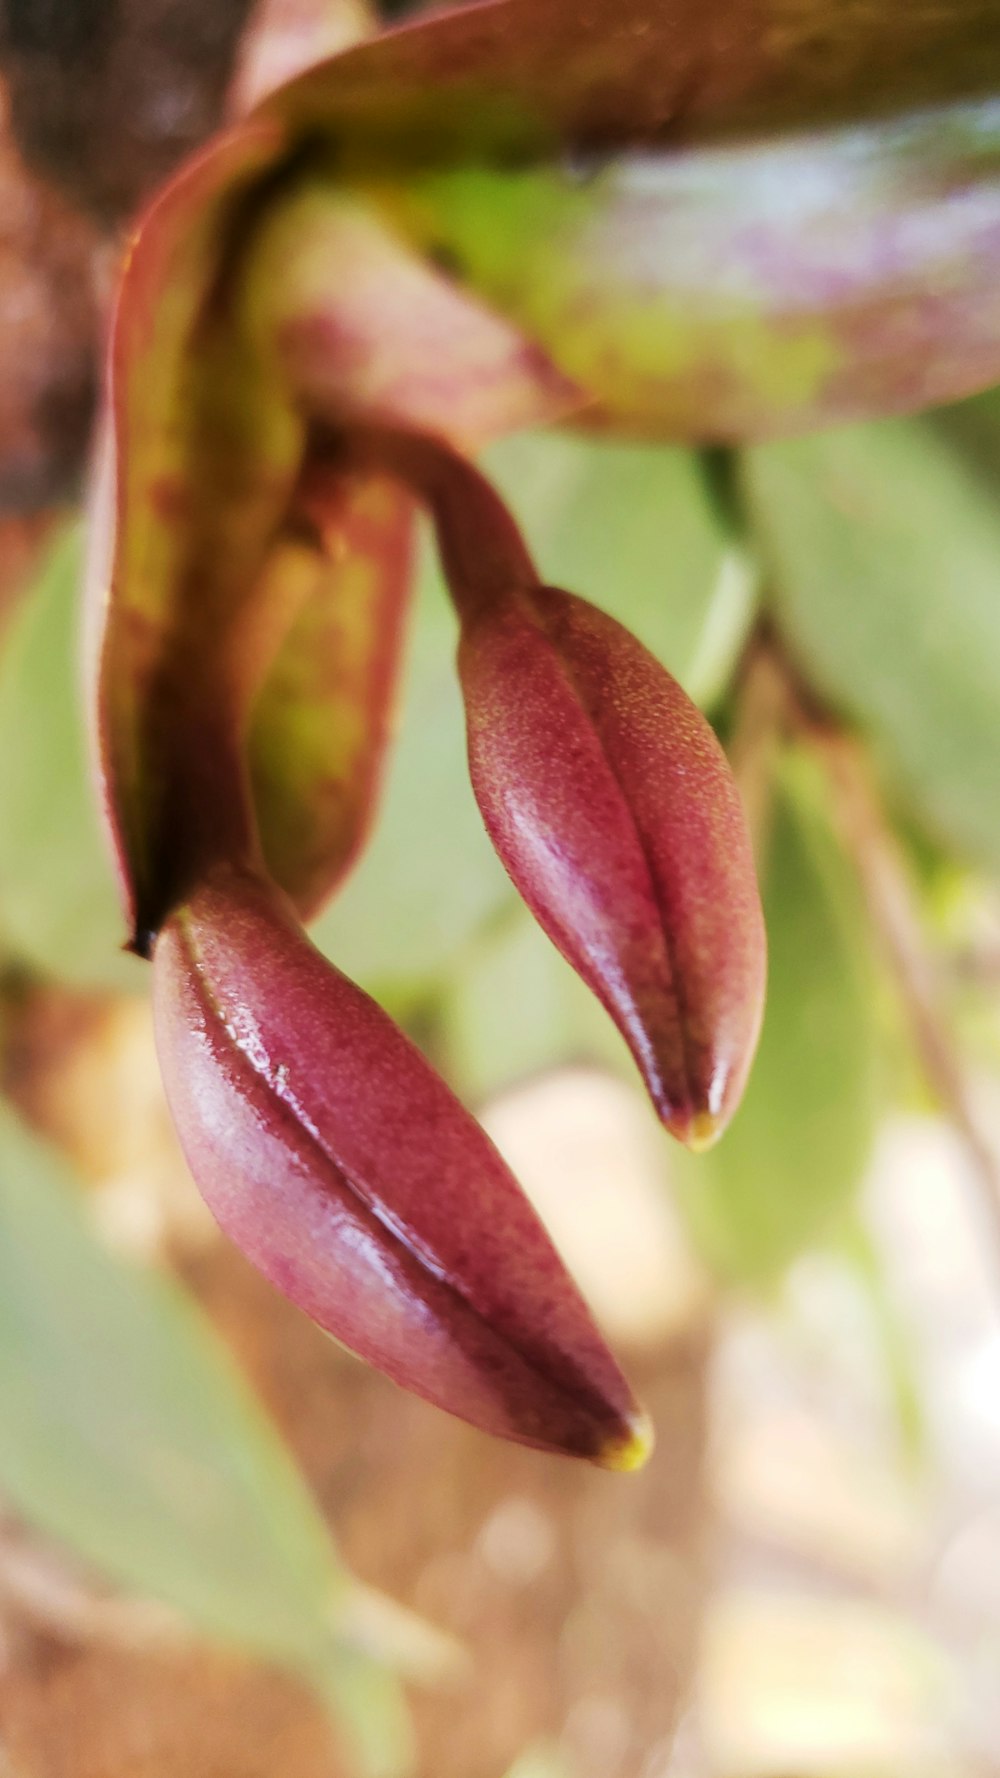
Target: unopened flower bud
x,y
613,808
348,1172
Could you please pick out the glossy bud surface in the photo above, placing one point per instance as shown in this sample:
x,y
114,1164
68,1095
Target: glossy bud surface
x,y
352,1177
612,806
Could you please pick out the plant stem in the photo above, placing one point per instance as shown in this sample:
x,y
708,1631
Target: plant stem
x,y
483,553
892,902
764,711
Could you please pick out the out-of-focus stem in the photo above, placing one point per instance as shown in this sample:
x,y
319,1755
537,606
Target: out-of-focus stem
x,y
893,906
763,716
774,699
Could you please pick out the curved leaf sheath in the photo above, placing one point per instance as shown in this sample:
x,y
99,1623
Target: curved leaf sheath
x,y
504,78
612,805
194,489
199,515
350,1175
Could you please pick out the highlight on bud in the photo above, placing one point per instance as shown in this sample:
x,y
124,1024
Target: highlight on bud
x,y
613,808
352,1177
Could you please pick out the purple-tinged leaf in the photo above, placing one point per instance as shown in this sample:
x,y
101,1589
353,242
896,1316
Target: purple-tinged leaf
x,y
200,522
350,1175
741,291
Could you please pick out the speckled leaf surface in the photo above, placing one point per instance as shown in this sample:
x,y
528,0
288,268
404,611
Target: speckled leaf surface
x,y
519,74
199,453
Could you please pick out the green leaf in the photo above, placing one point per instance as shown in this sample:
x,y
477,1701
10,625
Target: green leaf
x,y
514,1007
58,908
883,544
129,1435
635,528
782,1177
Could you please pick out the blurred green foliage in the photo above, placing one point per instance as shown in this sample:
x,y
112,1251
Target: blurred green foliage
x,y
788,1167
57,901
882,546
128,1434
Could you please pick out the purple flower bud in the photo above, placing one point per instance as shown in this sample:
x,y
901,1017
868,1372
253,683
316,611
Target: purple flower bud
x,y
352,1177
613,808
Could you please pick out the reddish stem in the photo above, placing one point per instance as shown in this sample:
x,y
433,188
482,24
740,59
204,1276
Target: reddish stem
x,y
482,550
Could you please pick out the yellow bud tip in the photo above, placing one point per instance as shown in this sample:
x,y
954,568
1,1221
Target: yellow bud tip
x,y
623,1454
703,1132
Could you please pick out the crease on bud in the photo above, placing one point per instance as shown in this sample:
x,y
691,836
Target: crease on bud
x,y
351,1176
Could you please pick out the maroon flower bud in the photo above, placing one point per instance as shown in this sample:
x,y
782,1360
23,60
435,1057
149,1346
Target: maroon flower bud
x,y
606,794
612,806
351,1176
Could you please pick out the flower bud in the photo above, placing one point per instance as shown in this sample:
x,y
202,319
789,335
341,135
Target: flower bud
x,y
613,808
347,1171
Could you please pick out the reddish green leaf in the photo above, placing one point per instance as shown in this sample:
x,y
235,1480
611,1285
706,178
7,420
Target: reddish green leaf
x,y
534,150
201,453
528,75
220,558
320,726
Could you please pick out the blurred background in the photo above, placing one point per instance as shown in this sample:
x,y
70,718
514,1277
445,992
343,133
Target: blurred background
x,y
226,1547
